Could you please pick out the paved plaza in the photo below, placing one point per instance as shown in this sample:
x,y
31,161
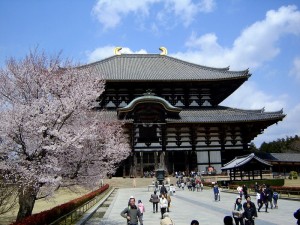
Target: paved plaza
x,y
188,205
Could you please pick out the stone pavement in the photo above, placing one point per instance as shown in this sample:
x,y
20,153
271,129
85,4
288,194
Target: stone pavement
x,y
188,205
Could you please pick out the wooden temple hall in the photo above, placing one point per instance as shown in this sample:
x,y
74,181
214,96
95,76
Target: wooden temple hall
x,y
172,113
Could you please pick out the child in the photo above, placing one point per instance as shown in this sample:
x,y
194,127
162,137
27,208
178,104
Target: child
x,y
141,208
275,198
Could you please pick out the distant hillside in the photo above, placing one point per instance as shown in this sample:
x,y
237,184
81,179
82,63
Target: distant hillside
x,y
283,145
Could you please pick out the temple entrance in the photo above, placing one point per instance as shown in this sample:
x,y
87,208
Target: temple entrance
x,y
177,159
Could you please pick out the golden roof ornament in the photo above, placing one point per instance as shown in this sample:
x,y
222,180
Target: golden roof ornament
x,y
164,51
117,50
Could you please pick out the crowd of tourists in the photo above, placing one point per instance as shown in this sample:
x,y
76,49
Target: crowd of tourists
x,y
134,214
162,200
247,212
243,212
192,183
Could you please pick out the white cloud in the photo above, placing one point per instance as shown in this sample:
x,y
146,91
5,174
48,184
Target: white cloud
x,y
110,13
295,71
288,127
107,51
248,96
187,10
256,44
207,5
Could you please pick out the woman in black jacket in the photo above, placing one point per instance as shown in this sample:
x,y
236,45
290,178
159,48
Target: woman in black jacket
x,y
249,214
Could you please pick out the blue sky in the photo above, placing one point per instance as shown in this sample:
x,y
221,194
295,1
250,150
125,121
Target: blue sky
x,y
263,36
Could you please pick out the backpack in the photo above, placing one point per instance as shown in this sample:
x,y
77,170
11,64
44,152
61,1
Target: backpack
x,y
275,195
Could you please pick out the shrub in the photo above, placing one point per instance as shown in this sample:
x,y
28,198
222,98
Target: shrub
x,y
293,175
251,183
49,216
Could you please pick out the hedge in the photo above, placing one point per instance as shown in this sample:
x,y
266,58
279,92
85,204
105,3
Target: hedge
x,y
251,183
49,216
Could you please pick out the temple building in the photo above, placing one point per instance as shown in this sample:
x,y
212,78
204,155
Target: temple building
x,y
172,114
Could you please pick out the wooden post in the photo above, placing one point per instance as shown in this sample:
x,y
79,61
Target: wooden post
x,y
142,164
134,164
155,160
241,174
124,170
234,174
260,172
186,161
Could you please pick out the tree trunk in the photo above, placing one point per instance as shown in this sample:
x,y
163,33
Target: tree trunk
x,y
27,197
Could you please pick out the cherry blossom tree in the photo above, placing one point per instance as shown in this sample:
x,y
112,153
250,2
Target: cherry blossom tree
x,y
50,135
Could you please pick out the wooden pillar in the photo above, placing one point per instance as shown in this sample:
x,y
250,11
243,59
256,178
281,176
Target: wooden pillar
x,y
186,161
124,170
173,164
155,160
166,158
234,174
241,174
260,173
131,169
142,164
134,164
253,174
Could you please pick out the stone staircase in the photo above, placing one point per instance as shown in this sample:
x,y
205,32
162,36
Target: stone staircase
x,y
120,182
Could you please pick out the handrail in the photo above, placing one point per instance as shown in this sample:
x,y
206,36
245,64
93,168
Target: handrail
x,y
79,211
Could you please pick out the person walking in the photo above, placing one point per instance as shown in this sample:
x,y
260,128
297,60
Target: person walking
x,y
156,186
141,208
275,199
169,202
132,213
256,187
163,190
263,200
216,192
155,200
237,212
166,220
201,186
240,191
249,214
252,205
245,190
269,195
258,200
163,205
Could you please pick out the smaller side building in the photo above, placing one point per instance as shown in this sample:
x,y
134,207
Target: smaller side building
x,y
248,167
282,163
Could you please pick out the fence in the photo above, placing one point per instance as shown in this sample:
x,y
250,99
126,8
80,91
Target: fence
x,y
74,215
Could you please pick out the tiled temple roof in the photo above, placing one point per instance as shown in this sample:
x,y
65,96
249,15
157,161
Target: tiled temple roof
x,y
280,157
217,115
243,160
154,67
